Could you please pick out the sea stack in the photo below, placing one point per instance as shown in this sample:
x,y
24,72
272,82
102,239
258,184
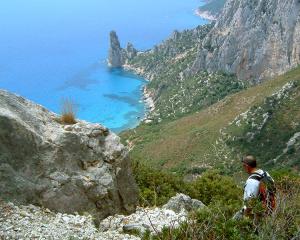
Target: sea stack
x,y
116,53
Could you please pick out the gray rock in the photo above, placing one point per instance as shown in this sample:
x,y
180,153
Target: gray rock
x,y
293,142
152,219
182,202
253,39
135,228
75,168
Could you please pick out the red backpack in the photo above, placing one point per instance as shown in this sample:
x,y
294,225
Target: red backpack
x,y
267,191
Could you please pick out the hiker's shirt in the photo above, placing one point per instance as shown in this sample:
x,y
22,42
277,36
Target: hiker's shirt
x,y
252,186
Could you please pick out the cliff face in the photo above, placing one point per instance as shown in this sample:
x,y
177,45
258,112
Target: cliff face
x,y
67,168
254,39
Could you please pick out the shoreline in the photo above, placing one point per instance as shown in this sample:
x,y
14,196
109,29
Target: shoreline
x,y
205,15
147,95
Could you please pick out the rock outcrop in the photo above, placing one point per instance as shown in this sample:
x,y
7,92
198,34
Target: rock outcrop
x,y
171,215
66,168
118,56
255,40
182,202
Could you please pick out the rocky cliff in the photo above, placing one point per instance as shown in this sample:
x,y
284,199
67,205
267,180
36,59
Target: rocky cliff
x,y
254,39
67,168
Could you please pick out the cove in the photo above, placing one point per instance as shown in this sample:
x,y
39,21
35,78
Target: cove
x,y
53,49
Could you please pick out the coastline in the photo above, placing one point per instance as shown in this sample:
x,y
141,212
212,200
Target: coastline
x,y
205,14
147,94
135,70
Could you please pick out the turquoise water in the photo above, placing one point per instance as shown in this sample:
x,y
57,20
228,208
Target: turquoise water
x,y
54,49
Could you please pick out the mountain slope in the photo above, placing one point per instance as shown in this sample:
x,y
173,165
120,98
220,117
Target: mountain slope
x,y
176,94
194,143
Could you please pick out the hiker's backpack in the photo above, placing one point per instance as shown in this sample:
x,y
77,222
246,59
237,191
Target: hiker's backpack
x,y
267,190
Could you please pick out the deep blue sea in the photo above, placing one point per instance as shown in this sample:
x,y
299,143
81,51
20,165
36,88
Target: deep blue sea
x,y
55,49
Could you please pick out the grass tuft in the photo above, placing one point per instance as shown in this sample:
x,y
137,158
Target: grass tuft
x,y
68,111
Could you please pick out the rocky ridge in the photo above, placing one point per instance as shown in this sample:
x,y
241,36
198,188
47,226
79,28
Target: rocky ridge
x,y
67,168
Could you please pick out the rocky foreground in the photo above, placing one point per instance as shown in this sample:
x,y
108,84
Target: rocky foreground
x,y
68,168
32,222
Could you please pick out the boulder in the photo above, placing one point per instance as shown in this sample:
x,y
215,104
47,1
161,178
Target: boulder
x,y
67,168
144,219
182,202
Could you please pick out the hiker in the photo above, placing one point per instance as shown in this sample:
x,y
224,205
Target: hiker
x,y
259,191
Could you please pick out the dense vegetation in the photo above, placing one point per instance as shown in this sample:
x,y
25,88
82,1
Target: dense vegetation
x,y
223,197
157,187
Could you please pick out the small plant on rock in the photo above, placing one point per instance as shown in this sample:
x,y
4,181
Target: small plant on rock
x,y
68,111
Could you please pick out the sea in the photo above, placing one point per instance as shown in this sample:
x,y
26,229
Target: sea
x,y
51,50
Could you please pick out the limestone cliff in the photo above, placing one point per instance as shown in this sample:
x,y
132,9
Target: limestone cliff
x,y
254,39
67,168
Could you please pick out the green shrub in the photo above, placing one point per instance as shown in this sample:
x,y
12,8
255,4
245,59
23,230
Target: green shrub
x,y
215,222
157,187
211,187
